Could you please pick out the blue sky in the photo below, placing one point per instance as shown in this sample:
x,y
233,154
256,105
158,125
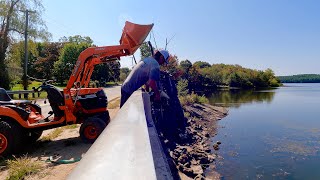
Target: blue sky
x,y
283,35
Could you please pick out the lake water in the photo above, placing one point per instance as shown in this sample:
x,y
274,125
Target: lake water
x,y
270,134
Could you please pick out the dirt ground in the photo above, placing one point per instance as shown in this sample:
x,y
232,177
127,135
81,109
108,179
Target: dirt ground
x,y
67,146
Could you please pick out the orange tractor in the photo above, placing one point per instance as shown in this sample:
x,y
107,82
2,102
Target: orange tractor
x,y
22,122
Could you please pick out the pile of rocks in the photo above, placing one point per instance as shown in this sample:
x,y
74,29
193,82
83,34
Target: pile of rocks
x,y
195,155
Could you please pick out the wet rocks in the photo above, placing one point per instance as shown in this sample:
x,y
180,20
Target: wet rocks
x,y
216,147
195,155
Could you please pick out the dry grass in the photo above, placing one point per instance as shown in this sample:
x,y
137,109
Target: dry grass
x,y
72,126
54,134
192,98
19,168
115,103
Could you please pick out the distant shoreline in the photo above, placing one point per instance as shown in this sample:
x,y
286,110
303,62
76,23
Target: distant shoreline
x,y
300,78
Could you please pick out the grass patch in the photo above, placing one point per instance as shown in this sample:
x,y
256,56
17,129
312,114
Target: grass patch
x,y
110,84
51,136
19,168
56,132
114,103
193,98
72,126
18,87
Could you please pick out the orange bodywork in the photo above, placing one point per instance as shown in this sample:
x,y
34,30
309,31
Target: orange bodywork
x,y
26,123
132,37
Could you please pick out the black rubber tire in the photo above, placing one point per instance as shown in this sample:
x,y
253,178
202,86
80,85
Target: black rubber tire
x,y
33,136
104,116
107,121
6,131
91,129
18,137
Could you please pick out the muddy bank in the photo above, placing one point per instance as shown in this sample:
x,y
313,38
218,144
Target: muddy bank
x,y
192,154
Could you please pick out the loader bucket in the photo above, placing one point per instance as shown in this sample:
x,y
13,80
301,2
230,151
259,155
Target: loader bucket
x,y
134,35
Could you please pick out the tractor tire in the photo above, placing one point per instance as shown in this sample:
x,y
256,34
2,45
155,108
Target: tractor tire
x,y
18,137
104,116
91,128
6,139
33,136
107,121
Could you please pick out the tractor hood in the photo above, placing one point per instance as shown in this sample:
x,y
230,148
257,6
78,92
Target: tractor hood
x,y
134,35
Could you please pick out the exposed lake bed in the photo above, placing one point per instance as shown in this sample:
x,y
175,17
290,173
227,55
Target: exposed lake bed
x,y
195,156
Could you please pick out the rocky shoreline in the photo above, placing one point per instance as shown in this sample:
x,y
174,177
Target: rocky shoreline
x,y
195,155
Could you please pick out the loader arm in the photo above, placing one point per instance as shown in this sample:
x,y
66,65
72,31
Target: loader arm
x,y
132,37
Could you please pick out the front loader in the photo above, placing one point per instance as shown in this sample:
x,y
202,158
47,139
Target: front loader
x,y
23,122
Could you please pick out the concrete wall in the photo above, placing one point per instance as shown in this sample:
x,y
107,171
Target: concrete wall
x,y
123,150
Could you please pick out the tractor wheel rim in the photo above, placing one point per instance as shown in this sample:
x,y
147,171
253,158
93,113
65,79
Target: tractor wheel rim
x,y
3,143
91,132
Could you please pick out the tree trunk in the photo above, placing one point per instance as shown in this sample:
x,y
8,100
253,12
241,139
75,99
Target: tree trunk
x,y
4,76
4,43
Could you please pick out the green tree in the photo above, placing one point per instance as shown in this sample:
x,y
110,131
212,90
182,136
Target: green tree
x,y
185,65
195,79
201,64
76,39
12,23
145,50
124,72
300,78
15,58
182,87
106,72
115,71
172,67
48,54
237,76
68,57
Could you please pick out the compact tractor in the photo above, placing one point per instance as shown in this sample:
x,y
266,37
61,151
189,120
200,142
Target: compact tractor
x,y
22,122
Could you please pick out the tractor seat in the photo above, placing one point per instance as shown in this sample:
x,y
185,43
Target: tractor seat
x,y
4,96
56,99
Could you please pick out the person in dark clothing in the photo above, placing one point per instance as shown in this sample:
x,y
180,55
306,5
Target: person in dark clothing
x,y
147,71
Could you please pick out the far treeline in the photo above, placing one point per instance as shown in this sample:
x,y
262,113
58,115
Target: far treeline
x,y
201,75
301,78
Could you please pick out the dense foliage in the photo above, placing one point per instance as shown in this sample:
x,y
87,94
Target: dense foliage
x,y
238,76
67,59
55,60
124,72
301,78
12,23
201,75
